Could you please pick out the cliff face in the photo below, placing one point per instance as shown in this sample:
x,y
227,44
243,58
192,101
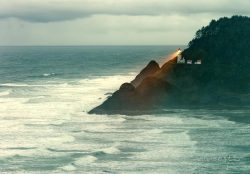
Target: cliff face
x,y
149,90
223,78
149,70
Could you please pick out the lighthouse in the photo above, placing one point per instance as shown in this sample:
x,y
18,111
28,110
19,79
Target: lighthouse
x,y
180,59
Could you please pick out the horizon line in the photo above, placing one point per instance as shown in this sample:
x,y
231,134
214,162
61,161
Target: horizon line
x,y
88,45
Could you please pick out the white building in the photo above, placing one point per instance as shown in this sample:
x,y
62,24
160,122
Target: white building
x,y
198,62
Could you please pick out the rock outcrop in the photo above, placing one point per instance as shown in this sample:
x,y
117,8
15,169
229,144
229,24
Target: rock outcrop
x,y
149,70
150,92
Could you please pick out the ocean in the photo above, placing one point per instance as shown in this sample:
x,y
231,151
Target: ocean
x,y
46,92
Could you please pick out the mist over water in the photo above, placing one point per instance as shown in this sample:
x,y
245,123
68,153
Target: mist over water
x,y
45,93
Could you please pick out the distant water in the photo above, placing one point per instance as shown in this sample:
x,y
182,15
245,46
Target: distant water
x,y
45,93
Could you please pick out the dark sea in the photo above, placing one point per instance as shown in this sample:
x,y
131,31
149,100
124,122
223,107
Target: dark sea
x,y
46,92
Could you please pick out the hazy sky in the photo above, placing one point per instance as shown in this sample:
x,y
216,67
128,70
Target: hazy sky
x,y
109,22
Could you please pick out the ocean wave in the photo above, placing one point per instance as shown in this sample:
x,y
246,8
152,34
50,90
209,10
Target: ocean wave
x,y
49,74
85,160
14,84
44,75
155,131
68,167
108,81
5,93
111,150
103,119
30,85
13,153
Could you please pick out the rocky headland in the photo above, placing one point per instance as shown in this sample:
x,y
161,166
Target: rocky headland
x,y
222,78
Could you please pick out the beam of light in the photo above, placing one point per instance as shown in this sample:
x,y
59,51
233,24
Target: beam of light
x,y
170,56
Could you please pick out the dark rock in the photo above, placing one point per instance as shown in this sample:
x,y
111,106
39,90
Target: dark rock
x,y
127,87
149,70
151,93
122,99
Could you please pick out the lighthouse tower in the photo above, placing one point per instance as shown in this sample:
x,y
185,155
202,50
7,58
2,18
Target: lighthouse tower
x,y
180,59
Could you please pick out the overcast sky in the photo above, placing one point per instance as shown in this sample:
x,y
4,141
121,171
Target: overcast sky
x,y
110,22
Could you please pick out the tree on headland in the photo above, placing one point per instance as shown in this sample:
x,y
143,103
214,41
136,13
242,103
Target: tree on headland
x,y
223,46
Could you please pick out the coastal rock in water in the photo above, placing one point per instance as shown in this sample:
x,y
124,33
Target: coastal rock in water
x,y
151,93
